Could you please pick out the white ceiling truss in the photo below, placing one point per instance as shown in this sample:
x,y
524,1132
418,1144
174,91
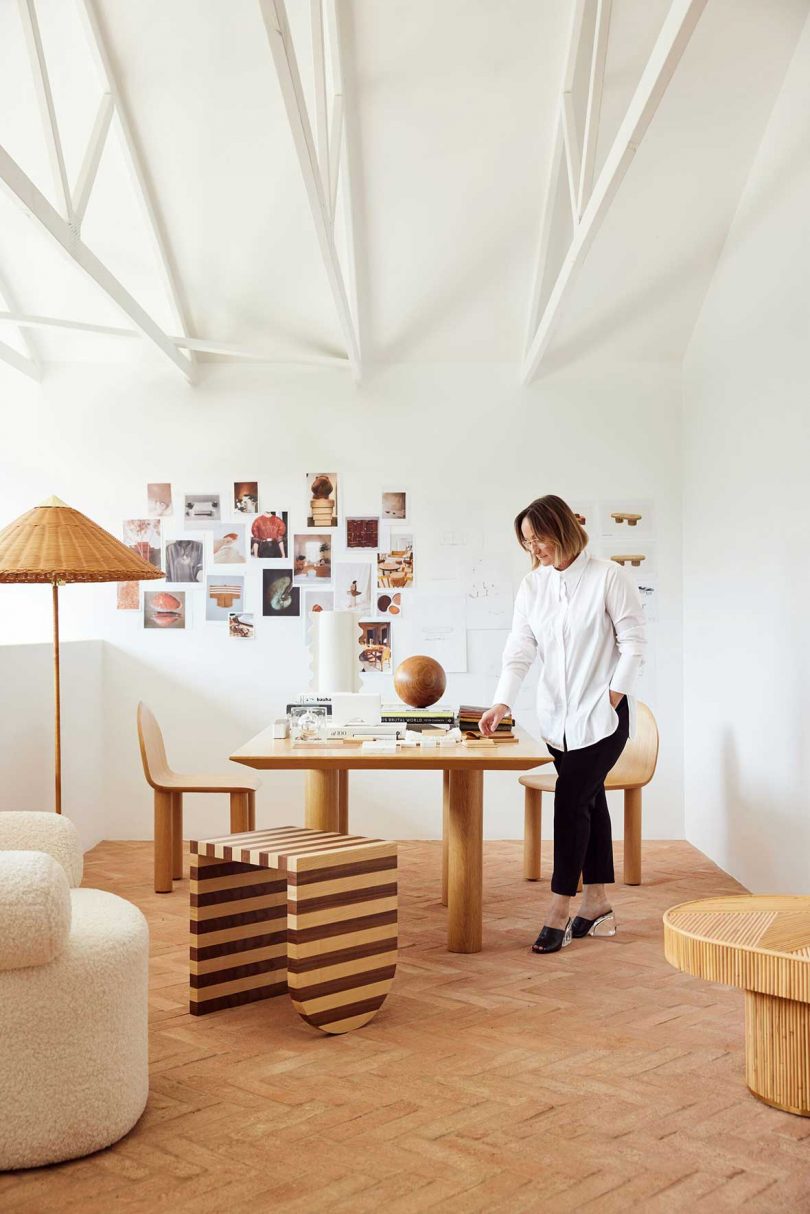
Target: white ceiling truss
x,y
589,203
320,162
319,139
322,169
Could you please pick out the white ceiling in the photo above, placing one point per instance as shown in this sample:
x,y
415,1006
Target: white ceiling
x,y
451,108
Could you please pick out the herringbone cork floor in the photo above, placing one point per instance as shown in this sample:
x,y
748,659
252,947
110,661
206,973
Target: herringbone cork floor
x,y
598,1078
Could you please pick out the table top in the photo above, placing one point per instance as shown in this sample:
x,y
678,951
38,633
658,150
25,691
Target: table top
x,y
759,942
295,849
265,752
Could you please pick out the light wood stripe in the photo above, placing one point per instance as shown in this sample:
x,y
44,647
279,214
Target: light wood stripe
x,y
230,988
251,877
277,903
330,858
343,915
301,950
238,932
213,965
302,893
329,973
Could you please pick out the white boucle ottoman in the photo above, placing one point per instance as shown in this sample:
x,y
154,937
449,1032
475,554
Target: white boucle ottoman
x,y
73,1062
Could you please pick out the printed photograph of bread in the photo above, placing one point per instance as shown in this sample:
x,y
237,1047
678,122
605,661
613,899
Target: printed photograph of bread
x,y
184,561
268,535
158,499
229,545
323,507
164,609
279,596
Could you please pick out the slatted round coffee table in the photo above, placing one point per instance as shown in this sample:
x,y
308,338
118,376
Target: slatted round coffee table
x,y
760,943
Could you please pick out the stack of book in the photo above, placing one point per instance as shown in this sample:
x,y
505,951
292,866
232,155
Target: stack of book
x,y
469,716
438,716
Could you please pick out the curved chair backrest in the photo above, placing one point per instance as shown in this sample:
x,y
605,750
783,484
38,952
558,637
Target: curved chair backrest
x,y
153,752
636,765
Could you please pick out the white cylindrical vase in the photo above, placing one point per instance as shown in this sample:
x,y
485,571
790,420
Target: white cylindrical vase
x,y
335,651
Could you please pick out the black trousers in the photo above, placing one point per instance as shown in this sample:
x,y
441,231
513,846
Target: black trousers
x,y
582,838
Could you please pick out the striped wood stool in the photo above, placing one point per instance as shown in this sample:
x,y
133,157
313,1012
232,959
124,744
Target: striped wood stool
x,y
305,911
760,942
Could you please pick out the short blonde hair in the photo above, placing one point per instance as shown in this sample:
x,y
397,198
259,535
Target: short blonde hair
x,y
553,519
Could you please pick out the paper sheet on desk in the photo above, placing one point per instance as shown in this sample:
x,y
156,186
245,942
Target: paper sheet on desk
x,y
434,623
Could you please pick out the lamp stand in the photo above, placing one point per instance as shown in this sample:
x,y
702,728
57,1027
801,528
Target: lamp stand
x,y
56,696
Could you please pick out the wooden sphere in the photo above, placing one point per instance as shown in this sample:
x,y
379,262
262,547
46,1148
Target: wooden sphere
x,y
420,681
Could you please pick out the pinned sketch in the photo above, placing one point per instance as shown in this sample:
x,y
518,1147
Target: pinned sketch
x,y
489,596
627,519
435,624
648,593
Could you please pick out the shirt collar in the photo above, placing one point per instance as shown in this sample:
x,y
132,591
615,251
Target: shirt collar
x,y
570,577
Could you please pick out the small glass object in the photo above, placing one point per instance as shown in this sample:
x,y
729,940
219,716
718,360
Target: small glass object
x,y
308,723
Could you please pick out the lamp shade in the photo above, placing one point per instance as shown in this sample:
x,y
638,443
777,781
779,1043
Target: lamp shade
x,y
54,543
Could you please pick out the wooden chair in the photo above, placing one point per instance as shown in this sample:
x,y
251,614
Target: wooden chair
x,y
635,768
169,787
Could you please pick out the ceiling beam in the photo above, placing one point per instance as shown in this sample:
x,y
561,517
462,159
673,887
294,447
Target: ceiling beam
x,y
92,158
111,84
24,321
8,296
670,45
593,106
33,201
42,83
321,106
335,145
274,14
18,361
349,225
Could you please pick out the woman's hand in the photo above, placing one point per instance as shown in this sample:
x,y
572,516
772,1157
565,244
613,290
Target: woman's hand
x,y
492,718
616,698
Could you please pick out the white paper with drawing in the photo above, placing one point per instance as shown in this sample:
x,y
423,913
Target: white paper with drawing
x,y
489,596
435,625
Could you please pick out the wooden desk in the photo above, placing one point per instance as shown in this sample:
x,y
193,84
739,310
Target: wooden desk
x,y
327,804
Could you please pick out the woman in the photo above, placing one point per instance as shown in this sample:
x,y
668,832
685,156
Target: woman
x,y
582,618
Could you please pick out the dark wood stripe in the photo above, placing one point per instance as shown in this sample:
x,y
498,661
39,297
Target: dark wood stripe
x,y
325,930
251,996
229,947
199,981
202,927
347,983
343,1013
372,948
312,875
345,897
237,892
225,868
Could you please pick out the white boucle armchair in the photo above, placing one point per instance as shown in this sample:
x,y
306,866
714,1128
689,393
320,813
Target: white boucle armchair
x,y
73,1000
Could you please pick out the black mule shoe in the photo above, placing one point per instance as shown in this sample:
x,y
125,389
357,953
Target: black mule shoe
x,y
602,925
552,939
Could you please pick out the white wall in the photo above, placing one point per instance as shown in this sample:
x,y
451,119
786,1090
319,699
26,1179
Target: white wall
x,y
26,735
747,524
469,445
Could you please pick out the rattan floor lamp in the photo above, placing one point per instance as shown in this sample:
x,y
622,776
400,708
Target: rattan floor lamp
x,y
54,543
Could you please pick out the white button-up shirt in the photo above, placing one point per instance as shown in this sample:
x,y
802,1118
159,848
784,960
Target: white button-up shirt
x,y
586,626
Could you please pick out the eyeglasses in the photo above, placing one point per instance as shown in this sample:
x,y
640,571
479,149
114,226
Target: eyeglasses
x,y
534,542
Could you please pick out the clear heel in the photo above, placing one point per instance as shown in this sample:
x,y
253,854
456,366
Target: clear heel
x,y
605,925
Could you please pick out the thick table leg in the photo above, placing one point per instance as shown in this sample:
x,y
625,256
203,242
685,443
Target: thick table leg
x,y
532,817
465,846
252,810
777,1051
177,835
342,920
163,842
632,836
238,934
322,810
240,813
445,829
343,802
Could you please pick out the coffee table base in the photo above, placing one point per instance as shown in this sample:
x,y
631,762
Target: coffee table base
x,y
777,1051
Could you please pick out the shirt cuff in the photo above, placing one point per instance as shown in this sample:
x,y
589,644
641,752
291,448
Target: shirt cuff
x,y
507,690
628,668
